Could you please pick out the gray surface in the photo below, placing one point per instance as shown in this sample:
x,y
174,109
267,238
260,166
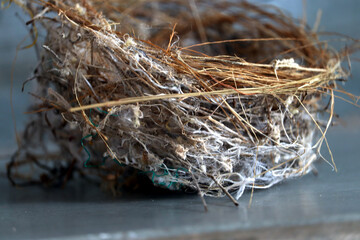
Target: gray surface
x,y
83,211
320,206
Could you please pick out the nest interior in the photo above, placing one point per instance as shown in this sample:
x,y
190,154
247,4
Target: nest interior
x,y
216,96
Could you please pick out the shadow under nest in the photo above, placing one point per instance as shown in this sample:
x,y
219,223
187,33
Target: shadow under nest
x,y
213,96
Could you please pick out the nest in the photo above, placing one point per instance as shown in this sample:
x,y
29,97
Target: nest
x,y
215,96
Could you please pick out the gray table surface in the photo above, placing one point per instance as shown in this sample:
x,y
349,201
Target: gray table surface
x,y
82,211
318,207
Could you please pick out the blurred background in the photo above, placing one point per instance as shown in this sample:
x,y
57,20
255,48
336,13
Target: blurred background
x,y
331,198
337,16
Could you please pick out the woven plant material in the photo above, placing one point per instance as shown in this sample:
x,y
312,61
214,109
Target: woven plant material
x,y
215,96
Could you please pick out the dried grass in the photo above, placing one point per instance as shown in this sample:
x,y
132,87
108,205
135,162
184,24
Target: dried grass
x,y
175,100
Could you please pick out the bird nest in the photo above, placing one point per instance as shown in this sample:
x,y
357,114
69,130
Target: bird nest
x,y
215,96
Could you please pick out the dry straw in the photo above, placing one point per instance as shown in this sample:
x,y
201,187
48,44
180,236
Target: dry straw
x,y
154,86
